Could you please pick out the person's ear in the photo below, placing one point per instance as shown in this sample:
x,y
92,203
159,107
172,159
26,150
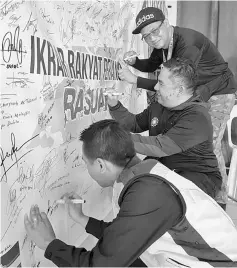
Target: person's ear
x,y
101,165
181,90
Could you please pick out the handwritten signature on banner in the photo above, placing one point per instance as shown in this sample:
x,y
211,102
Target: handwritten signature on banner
x,y
15,81
46,17
43,174
13,20
31,24
48,90
9,6
12,155
18,192
11,43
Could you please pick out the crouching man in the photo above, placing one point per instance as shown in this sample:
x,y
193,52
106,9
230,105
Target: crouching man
x,y
163,218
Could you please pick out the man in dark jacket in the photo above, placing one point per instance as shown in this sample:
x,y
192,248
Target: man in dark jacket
x,y
180,128
214,76
163,218
215,80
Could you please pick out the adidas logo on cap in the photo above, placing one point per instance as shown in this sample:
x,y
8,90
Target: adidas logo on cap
x,y
145,18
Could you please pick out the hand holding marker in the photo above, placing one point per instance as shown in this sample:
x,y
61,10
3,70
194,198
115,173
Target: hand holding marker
x,y
131,57
112,91
71,209
112,96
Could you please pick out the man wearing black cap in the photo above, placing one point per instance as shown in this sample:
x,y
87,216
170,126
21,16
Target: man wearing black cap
x,y
214,76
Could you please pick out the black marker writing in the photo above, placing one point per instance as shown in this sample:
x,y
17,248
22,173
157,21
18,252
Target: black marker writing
x,y
43,173
13,19
9,6
11,44
46,17
30,23
21,81
12,154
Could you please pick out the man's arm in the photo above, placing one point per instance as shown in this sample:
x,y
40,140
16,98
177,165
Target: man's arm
x,y
148,65
131,122
96,227
188,52
127,237
151,64
186,133
146,83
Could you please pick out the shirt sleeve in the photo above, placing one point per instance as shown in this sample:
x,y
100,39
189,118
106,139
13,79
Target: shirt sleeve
x,y
131,122
158,146
96,227
147,210
151,64
148,65
189,131
146,83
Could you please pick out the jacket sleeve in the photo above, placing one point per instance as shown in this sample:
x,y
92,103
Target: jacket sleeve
x,y
148,65
151,64
189,131
128,236
188,52
96,227
131,122
146,83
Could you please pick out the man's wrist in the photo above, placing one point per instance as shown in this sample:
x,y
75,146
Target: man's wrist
x,y
48,242
113,108
113,104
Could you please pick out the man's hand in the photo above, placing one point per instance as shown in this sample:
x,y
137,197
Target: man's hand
x,y
112,97
130,57
39,228
126,75
75,210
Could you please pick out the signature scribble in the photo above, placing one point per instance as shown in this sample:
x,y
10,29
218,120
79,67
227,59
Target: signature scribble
x,y
9,6
13,20
12,154
46,17
12,44
19,81
43,173
31,24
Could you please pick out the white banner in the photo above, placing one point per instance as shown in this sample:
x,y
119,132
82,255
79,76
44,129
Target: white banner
x,y
56,59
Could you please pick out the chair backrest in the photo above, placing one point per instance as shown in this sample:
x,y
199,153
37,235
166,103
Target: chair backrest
x,y
232,128
232,138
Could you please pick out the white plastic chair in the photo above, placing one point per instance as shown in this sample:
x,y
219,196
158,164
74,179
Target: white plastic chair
x,y
232,139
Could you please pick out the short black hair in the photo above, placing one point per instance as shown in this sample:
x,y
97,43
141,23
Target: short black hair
x,y
183,71
106,139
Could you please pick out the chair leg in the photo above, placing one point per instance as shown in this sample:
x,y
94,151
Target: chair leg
x,y
232,178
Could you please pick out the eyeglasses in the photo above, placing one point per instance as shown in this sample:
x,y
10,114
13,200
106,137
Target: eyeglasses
x,y
155,32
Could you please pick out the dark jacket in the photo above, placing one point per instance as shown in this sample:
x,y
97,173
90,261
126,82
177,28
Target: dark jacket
x,y
181,137
148,208
153,208
214,76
